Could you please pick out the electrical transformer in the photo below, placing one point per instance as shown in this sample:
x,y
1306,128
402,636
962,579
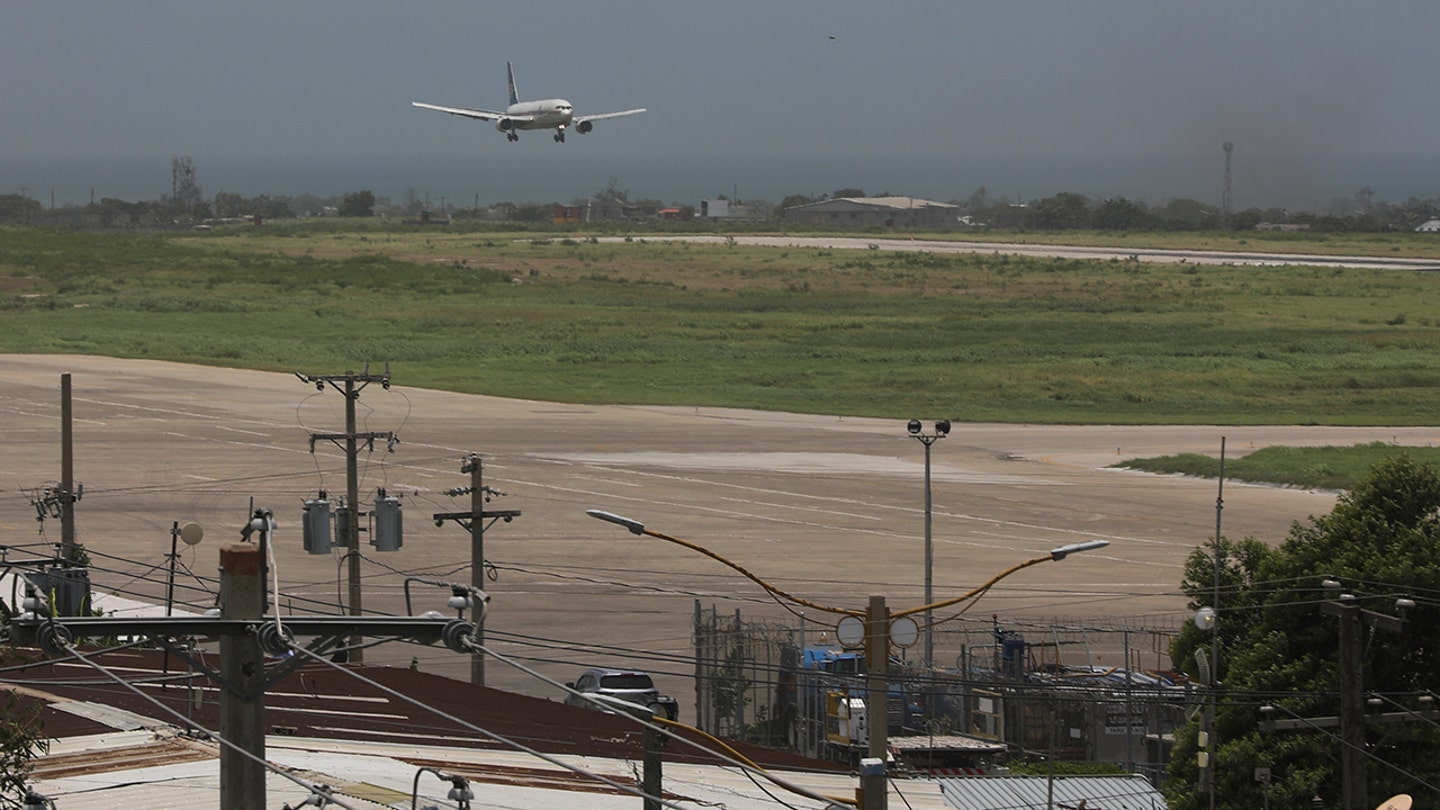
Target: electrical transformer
x,y
388,534
317,526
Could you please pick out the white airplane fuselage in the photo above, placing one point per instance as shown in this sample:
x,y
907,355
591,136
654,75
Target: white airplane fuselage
x,y
550,113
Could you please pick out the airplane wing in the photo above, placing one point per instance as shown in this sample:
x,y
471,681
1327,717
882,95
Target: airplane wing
x,y
483,115
603,116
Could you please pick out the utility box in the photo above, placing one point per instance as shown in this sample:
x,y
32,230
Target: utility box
x,y
317,526
67,590
342,525
388,524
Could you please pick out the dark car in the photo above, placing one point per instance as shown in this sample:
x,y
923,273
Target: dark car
x,y
628,685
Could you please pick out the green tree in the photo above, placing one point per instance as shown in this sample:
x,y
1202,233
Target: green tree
x,y
1064,211
1120,214
847,192
1382,540
358,204
1187,214
22,738
18,208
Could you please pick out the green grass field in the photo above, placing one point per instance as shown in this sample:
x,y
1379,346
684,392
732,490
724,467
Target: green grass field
x,y
1334,468
559,317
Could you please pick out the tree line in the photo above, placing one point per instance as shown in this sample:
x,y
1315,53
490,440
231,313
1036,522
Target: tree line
x,y
1360,213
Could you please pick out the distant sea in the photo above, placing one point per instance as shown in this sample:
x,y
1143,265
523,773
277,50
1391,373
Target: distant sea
x,y
566,173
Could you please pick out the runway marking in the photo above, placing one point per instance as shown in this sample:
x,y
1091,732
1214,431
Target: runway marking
x,y
247,432
1063,532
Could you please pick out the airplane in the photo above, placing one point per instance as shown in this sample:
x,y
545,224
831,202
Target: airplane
x,y
550,113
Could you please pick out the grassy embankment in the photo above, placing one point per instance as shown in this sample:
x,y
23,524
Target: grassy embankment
x,y
880,333
1333,468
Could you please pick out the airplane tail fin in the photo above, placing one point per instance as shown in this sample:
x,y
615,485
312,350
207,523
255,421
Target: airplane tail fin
x,y
510,74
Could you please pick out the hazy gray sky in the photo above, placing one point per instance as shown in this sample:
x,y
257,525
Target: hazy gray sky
x,y
1102,77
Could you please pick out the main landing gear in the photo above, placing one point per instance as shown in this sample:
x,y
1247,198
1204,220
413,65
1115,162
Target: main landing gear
x,y
512,136
559,136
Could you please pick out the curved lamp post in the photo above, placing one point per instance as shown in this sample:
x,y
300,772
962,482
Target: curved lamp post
x,y
460,791
877,619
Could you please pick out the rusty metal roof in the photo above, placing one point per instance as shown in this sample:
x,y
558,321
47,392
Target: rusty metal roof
x,y
114,750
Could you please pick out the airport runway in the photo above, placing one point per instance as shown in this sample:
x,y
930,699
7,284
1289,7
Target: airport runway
x,y
827,508
1207,257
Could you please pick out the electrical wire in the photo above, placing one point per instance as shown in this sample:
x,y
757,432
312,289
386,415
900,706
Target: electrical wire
x,y
500,738
276,769
729,754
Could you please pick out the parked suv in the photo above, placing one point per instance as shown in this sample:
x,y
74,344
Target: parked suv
x,y
624,684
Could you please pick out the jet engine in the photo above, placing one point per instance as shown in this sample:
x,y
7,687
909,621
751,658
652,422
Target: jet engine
x,y
505,125
584,127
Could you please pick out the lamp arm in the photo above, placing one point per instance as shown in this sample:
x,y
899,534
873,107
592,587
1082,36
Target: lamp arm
x,y
976,591
757,580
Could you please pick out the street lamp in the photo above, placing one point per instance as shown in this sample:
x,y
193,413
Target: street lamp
x,y
942,429
460,791
877,621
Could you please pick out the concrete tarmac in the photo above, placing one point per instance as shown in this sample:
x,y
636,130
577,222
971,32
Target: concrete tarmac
x,y
827,508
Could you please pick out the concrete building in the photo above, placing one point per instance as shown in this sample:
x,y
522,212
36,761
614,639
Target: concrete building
x,y
890,212
722,208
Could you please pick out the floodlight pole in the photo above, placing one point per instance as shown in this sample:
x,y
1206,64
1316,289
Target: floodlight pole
x,y
942,429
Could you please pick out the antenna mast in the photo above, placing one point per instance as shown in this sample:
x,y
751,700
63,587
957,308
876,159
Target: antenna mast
x,y
1225,201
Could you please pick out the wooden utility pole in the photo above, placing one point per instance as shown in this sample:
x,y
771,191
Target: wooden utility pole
x,y
1353,717
245,636
477,560
874,787
474,521
67,474
353,384
242,666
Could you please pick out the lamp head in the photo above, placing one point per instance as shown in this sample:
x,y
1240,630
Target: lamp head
x,y
913,427
942,427
1062,552
460,789
635,526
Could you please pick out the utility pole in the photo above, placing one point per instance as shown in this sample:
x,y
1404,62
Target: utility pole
x,y
1352,719
474,521
874,786
242,665
353,384
245,637
1352,692
67,475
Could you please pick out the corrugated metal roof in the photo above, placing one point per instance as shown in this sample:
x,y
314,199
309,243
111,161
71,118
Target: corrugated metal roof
x,y
370,774
875,202
1042,793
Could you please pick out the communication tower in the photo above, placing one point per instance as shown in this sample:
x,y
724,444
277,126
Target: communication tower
x,y
1225,197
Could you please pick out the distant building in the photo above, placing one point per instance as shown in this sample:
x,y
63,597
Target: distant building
x,y
890,212
1430,226
732,211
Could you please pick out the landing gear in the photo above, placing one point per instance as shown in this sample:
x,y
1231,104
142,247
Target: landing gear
x,y
559,136
511,136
